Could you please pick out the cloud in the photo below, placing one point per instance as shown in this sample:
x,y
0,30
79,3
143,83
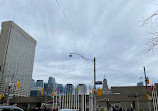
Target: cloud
x,y
107,30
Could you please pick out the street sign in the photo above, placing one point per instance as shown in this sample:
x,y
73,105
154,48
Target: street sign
x,y
91,97
45,92
98,82
10,96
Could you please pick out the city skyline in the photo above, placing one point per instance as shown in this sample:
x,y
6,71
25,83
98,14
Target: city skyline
x,y
94,31
103,86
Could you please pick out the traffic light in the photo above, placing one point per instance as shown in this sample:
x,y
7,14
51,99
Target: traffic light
x,y
99,92
90,94
92,91
147,79
52,95
147,97
0,96
18,84
42,91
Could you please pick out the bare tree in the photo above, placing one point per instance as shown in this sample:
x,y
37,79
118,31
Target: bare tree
x,y
153,42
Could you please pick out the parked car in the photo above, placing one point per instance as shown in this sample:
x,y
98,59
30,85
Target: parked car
x,y
10,108
68,110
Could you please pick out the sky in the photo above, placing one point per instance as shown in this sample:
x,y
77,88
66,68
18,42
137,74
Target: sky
x,y
109,30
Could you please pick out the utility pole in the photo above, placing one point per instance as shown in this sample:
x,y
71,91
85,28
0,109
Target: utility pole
x,y
94,87
147,89
94,76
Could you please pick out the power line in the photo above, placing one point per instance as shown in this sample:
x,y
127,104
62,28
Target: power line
x,y
68,22
71,70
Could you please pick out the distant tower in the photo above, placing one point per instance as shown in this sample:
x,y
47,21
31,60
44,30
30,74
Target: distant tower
x,y
105,89
105,85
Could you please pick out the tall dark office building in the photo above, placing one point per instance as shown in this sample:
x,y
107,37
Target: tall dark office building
x,y
45,86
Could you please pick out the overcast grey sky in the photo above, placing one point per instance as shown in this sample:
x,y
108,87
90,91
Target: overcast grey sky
x,y
109,30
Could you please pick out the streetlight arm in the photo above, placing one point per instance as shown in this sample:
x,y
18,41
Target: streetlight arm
x,y
80,56
94,76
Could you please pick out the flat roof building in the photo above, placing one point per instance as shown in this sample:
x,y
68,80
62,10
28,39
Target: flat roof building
x,y
39,83
69,88
17,50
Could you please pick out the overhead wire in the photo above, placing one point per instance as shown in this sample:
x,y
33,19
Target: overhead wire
x,y
72,70
77,39
69,22
72,28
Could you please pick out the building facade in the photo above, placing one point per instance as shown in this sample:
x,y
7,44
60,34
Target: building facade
x,y
33,83
39,83
140,83
60,88
36,91
17,50
45,86
82,89
105,89
51,84
69,88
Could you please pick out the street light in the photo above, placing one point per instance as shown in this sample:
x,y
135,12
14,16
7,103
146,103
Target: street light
x,y
94,75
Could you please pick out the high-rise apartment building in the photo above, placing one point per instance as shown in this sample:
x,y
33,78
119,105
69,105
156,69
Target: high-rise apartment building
x,y
17,50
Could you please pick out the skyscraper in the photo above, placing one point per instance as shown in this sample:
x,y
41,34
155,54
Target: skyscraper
x,y
69,88
46,87
51,84
17,50
39,83
82,89
60,88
